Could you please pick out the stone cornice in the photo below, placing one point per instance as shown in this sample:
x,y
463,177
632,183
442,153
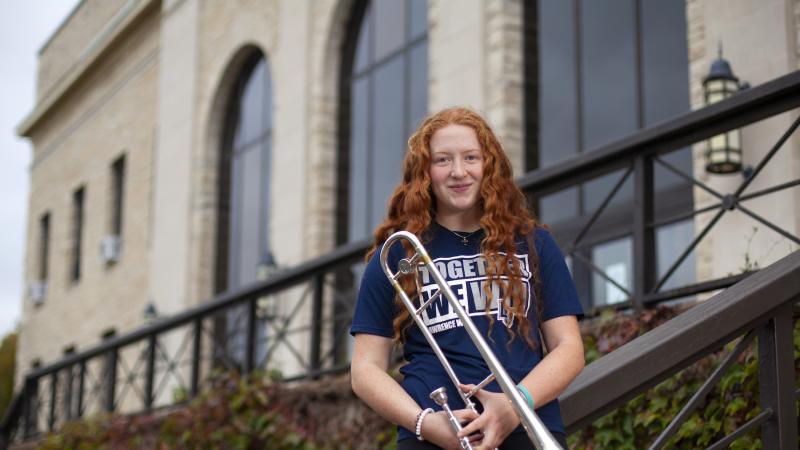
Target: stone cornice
x,y
116,29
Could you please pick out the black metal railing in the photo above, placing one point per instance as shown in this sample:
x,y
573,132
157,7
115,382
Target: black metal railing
x,y
296,321
762,306
637,156
167,362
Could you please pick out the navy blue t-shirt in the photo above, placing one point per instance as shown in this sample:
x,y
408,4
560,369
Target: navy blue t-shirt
x,y
463,267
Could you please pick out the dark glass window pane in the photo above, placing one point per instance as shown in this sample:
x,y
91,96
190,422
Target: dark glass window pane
x,y
390,24
117,188
558,207
664,178
418,18
235,218
608,78
77,238
359,158
250,223
388,134
558,137
266,170
44,245
614,258
251,110
388,98
596,191
418,86
248,242
266,101
664,59
671,241
364,42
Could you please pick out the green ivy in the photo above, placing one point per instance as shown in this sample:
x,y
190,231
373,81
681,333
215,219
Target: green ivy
x,y
730,404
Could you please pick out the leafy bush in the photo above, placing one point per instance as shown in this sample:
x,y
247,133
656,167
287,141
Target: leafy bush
x,y
8,350
239,413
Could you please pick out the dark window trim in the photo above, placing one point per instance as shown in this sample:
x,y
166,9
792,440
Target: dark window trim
x,y
44,246
78,218
118,175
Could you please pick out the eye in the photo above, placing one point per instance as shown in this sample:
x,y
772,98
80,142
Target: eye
x,y
441,160
473,157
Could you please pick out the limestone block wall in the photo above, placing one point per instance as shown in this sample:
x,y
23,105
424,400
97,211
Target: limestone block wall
x,y
110,113
760,41
74,39
476,60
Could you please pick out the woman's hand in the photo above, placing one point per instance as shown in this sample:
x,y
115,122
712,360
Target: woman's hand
x,y
496,422
437,430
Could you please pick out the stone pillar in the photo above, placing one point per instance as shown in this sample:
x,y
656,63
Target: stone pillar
x,y
173,163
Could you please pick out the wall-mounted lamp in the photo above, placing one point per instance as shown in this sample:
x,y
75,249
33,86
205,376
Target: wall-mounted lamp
x,y
149,313
723,152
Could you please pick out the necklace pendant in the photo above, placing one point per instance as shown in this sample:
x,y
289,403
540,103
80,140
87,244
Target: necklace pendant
x,y
465,241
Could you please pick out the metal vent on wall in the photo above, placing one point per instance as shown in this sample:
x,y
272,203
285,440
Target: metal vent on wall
x,y
37,291
110,248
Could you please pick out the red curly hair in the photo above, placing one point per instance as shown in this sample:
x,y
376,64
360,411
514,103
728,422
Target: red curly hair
x,y
505,216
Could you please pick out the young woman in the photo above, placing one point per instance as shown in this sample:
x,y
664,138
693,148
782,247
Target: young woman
x,y
458,196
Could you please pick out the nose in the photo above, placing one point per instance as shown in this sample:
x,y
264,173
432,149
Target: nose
x,y
458,170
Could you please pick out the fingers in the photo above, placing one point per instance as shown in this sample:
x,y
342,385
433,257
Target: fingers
x,y
465,415
475,425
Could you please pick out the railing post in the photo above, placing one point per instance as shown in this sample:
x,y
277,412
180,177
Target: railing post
x,y
316,322
111,379
51,420
644,257
150,372
197,352
81,383
68,394
31,413
250,344
776,380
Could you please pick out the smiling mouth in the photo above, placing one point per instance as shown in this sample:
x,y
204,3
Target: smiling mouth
x,y
460,187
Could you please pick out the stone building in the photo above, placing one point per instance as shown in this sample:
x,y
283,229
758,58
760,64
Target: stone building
x,y
184,148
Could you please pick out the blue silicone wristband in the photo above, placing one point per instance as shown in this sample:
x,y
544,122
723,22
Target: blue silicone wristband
x,y
524,391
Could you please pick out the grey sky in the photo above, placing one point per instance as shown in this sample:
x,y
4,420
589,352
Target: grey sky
x,y
24,28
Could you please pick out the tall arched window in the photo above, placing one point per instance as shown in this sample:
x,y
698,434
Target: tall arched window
x,y
384,96
243,252
246,169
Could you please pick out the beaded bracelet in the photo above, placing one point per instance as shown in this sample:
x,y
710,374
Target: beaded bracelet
x,y
525,393
420,417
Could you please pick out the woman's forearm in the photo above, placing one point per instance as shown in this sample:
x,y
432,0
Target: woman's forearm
x,y
553,374
562,363
384,395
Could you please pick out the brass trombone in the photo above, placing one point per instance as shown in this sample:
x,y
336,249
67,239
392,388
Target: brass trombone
x,y
537,432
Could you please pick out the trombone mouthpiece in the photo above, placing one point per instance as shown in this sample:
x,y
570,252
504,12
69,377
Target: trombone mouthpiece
x,y
439,396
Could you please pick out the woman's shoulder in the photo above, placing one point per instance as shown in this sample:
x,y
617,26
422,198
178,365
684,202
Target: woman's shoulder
x,y
544,241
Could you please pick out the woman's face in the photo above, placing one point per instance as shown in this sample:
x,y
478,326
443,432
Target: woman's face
x,y
456,172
